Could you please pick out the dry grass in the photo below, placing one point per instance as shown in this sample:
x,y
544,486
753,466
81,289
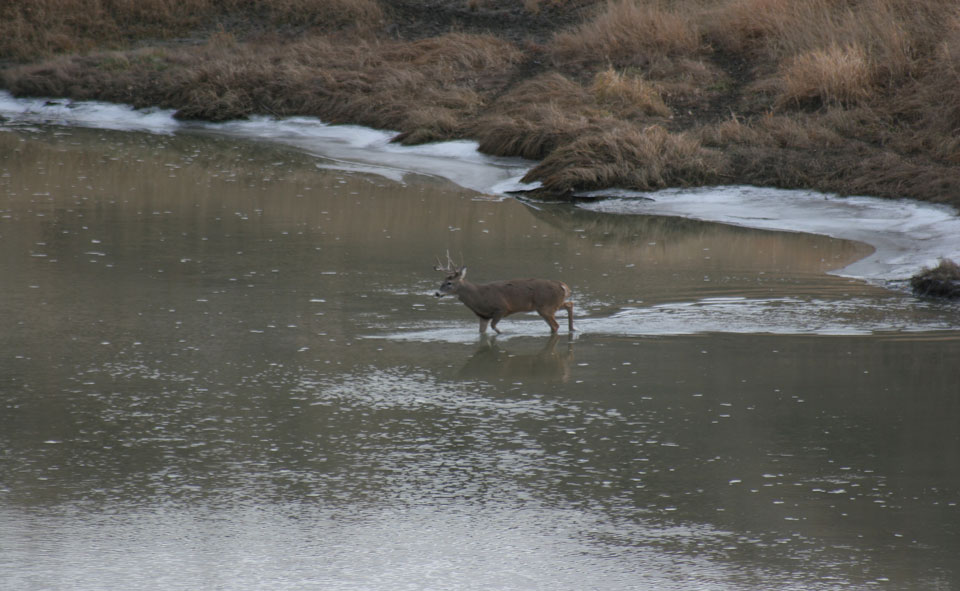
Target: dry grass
x,y
894,33
422,88
551,87
642,159
43,27
629,33
535,135
932,99
643,49
628,94
832,75
534,117
940,281
29,28
796,132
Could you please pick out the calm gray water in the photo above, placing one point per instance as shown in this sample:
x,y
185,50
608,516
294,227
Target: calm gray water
x,y
221,367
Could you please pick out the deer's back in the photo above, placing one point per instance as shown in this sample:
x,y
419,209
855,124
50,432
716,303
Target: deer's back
x,y
521,295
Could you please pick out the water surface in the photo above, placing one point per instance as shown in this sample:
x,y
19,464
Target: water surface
x,y
222,359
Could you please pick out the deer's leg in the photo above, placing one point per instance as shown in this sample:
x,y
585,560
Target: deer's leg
x,y
493,322
483,325
548,316
569,307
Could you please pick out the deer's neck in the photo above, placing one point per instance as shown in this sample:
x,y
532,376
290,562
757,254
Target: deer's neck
x,y
469,294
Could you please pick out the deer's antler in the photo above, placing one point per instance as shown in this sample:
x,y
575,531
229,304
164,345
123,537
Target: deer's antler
x,y
451,267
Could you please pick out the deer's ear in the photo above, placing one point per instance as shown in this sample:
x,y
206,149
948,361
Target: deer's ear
x,y
462,272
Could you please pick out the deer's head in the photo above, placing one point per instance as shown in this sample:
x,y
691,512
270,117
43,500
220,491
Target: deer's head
x,y
453,279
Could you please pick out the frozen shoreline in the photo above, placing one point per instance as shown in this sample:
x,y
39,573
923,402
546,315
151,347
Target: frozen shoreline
x,y
906,234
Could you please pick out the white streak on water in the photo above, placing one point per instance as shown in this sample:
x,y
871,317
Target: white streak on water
x,y
906,234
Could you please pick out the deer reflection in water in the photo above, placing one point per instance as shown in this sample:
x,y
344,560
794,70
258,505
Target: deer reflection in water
x,y
491,361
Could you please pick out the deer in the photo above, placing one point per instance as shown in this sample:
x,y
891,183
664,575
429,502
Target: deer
x,y
492,302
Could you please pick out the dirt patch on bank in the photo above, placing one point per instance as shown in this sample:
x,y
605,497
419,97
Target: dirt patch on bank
x,y
856,99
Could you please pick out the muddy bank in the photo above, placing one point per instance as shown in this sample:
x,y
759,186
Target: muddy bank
x,y
618,94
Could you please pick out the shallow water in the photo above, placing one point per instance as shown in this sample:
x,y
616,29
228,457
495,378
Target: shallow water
x,y
222,359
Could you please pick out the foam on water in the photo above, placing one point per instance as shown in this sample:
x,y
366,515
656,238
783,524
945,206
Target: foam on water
x,y
907,234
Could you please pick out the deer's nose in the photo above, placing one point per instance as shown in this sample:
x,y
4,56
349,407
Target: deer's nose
x,y
438,294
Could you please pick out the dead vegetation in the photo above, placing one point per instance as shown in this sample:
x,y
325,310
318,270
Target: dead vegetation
x,y
632,158
940,281
837,95
35,28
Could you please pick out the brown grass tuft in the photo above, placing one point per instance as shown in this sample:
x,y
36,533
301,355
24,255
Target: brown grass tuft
x,y
535,117
628,33
628,94
892,34
541,114
551,87
430,124
793,132
633,158
940,281
833,75
454,52
534,134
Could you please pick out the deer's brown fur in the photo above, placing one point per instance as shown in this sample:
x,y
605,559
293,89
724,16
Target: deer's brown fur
x,y
494,301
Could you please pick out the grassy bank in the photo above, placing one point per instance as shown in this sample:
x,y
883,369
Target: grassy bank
x,y
849,96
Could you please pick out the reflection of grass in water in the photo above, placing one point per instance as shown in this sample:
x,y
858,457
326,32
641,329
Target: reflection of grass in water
x,y
676,243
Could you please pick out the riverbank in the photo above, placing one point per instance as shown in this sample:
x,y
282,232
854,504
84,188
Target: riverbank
x,y
861,99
